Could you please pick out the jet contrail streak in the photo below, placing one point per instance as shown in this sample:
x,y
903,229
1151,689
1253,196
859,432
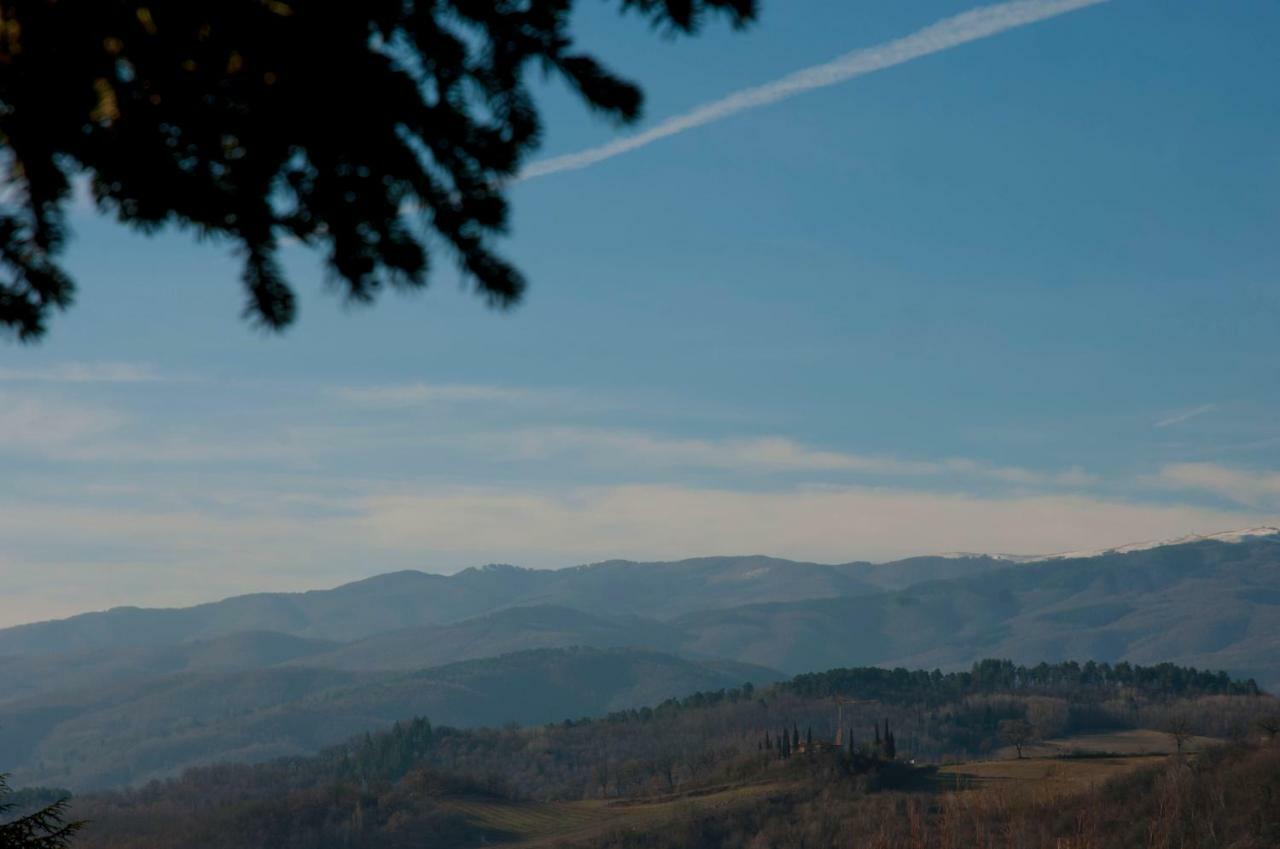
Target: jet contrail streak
x,y
946,33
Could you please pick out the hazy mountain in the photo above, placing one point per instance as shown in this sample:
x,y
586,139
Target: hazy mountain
x,y
119,711
104,735
30,675
412,599
509,630
1205,603
126,734
913,570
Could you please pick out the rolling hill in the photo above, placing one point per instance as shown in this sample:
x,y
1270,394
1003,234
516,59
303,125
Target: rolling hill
x,y
131,733
509,630
30,675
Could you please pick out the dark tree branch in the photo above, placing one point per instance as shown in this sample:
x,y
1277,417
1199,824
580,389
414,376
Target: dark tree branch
x,y
257,120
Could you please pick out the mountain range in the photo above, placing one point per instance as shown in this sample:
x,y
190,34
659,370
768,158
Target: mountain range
x,y
407,599
116,697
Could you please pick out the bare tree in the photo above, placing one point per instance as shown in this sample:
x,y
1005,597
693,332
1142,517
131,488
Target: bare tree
x,y
1017,733
1269,725
602,778
664,765
1179,728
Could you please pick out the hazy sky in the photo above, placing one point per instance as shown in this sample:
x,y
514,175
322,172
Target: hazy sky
x,y
1019,294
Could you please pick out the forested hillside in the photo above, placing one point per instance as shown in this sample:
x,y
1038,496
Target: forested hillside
x,y
129,733
420,778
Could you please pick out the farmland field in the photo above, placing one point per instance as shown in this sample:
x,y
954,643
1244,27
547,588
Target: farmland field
x,y
534,824
1068,764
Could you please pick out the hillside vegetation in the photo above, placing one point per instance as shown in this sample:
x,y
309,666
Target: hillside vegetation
x,y
129,733
711,770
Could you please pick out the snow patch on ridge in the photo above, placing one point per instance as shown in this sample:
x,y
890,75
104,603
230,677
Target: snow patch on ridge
x,y
1242,535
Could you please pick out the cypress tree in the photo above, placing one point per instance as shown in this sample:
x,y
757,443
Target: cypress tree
x,y
808,737
795,736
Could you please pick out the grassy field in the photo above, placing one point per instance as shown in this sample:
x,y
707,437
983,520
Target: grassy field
x,y
1058,765
1044,771
1051,773
1139,742
528,825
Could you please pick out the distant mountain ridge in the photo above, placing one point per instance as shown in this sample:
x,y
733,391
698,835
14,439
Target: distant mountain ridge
x,y
412,599
1205,603
1241,535
409,598
258,676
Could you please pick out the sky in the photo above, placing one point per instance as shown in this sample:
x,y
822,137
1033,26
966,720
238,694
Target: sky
x,y
874,281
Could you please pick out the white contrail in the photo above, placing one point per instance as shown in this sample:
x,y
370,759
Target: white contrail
x,y
1179,418
946,33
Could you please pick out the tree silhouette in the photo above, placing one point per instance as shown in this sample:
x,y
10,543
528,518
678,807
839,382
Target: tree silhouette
x,y
1179,729
1269,725
1017,733
45,828
364,130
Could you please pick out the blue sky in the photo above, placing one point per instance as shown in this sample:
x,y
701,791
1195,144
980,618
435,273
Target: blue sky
x,y
1018,295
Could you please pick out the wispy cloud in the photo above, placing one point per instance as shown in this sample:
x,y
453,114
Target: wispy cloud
x,y
642,450
950,32
407,394
824,524
83,373
1254,488
1184,415
45,426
